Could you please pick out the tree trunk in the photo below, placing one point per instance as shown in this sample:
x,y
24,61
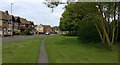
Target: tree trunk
x,y
103,26
118,18
117,5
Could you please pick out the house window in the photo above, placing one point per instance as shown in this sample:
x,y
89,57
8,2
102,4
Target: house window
x,y
9,22
5,29
9,30
16,23
4,22
0,28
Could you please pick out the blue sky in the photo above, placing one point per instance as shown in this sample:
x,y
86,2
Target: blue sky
x,y
33,10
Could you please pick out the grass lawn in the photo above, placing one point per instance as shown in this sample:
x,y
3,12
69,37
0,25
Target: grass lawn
x,y
22,51
66,49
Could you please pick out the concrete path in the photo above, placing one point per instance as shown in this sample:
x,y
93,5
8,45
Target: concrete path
x,y
43,57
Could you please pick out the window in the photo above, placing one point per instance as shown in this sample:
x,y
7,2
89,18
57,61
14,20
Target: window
x,y
9,30
4,29
0,28
4,22
15,23
9,22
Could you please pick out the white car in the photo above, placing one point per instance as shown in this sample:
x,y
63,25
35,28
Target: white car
x,y
47,33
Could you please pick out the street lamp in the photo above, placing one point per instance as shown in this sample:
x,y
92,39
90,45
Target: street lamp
x,y
11,20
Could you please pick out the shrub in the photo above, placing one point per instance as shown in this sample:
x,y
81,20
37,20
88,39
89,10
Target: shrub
x,y
87,32
118,37
22,33
27,31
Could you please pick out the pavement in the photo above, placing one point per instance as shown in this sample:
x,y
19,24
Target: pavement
x,y
43,57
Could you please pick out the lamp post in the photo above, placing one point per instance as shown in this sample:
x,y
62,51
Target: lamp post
x,y
11,20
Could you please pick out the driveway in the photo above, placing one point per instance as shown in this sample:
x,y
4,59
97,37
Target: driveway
x,y
19,37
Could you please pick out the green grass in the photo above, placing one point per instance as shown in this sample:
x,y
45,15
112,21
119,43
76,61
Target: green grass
x,y
66,49
22,51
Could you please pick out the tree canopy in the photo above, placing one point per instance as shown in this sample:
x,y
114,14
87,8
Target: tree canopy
x,y
92,19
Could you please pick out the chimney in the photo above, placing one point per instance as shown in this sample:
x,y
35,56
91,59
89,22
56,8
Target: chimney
x,y
6,12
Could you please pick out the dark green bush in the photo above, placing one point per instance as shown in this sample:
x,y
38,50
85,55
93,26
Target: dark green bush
x,y
87,32
27,31
118,37
22,33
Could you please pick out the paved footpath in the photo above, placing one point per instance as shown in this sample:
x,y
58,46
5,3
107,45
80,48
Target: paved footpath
x,y
43,57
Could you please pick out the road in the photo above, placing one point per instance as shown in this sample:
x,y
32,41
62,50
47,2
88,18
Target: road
x,y
19,37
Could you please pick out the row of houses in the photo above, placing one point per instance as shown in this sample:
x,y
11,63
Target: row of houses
x,y
41,29
14,25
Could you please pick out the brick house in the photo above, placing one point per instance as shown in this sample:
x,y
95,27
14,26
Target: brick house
x,y
47,28
56,30
39,29
11,25
31,27
16,25
3,23
11,21
23,25
6,23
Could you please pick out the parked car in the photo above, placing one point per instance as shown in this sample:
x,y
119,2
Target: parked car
x,y
47,33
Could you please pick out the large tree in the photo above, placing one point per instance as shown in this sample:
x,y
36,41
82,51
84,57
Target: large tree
x,y
102,15
108,27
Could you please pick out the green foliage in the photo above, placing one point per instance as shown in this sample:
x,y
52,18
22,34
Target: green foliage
x,y
80,17
27,31
22,33
87,32
70,18
118,37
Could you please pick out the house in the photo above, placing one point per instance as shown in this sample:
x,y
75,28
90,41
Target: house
x,y
3,23
11,21
12,25
16,25
39,29
23,25
56,30
1,31
31,27
6,21
47,28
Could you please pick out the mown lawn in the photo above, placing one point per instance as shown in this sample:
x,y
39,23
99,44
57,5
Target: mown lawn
x,y
66,49
22,51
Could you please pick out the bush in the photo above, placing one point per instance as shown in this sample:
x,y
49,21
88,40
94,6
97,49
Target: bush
x,y
22,33
87,32
118,37
71,33
27,31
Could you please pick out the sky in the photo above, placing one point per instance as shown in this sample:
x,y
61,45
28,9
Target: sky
x,y
33,10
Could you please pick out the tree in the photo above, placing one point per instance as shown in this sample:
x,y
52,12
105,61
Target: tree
x,y
103,16
105,24
118,35
70,18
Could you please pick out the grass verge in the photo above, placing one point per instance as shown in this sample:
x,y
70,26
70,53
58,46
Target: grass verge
x,y
66,49
22,51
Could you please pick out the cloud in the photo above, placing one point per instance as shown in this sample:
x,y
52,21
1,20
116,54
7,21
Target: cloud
x,y
34,10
